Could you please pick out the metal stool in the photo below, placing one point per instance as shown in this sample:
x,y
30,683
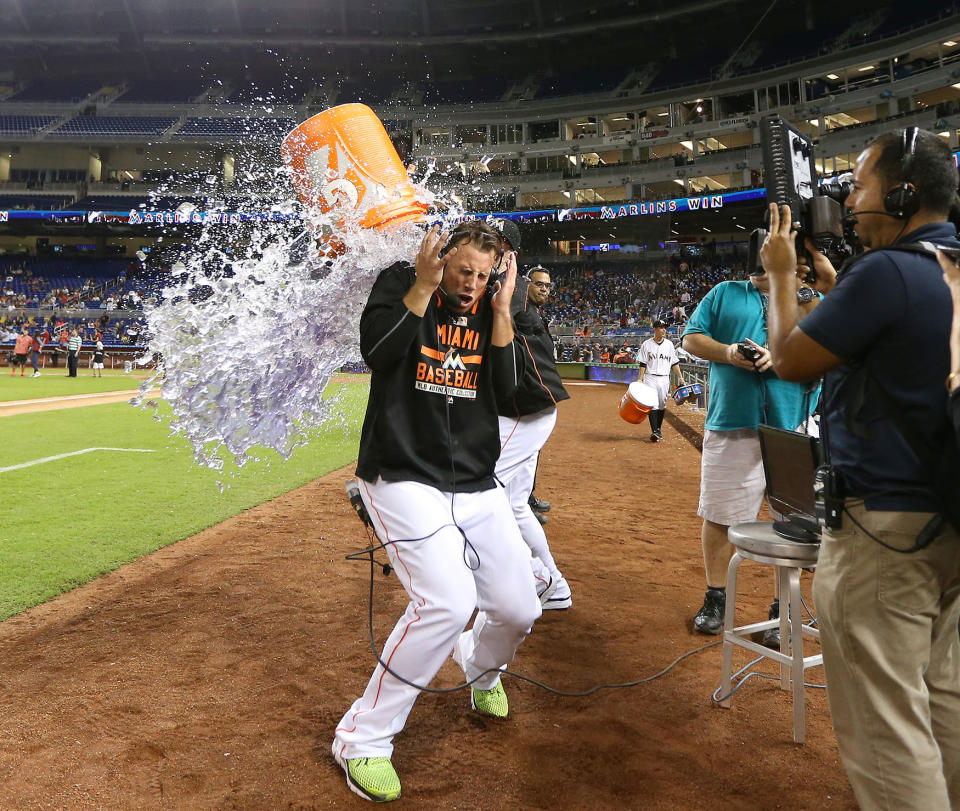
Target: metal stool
x,y
756,540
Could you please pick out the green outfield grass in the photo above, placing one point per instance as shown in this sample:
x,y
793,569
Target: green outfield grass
x,y
55,383
69,520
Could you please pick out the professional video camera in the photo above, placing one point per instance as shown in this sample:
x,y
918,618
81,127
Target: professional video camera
x,y
790,175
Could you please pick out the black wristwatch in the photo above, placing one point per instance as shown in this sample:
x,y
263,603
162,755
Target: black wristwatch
x,y
805,295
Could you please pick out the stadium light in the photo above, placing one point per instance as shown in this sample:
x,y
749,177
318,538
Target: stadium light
x,y
949,43
663,114
832,76
863,69
957,85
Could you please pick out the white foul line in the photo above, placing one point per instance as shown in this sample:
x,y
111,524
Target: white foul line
x,y
73,453
68,397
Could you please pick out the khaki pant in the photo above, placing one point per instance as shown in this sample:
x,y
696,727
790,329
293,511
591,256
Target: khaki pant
x,y
891,653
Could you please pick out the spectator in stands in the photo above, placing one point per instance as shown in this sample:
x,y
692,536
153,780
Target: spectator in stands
x,y
625,355
605,355
887,586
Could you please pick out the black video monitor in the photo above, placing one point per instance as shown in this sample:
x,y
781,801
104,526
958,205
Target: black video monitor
x,y
790,461
790,173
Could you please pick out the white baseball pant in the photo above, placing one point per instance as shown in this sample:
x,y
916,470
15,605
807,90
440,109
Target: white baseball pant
x,y
443,594
660,384
521,439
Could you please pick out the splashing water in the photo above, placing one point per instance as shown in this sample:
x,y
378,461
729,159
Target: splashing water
x,y
249,341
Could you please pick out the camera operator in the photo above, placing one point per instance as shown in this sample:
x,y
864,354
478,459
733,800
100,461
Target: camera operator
x,y
729,329
887,587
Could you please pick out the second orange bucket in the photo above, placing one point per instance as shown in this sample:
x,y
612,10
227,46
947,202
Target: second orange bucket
x,y
343,163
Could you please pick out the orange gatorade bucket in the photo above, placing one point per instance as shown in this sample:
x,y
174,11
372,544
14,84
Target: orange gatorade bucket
x,y
637,402
344,164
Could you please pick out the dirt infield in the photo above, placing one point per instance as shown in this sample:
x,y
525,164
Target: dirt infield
x,y
211,674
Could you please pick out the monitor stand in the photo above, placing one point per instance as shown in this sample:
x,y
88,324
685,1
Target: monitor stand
x,y
799,528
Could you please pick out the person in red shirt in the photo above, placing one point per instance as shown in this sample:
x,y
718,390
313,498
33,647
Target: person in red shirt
x,y
20,351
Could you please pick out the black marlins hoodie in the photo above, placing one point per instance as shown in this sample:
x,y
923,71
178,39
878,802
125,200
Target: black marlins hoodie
x,y
432,411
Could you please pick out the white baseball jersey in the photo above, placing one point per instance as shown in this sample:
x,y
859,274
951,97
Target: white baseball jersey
x,y
659,357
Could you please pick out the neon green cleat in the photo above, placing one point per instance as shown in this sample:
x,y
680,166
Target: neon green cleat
x,y
373,778
490,702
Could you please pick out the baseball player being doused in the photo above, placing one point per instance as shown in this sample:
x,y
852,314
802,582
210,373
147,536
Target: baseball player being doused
x,y
657,359
441,348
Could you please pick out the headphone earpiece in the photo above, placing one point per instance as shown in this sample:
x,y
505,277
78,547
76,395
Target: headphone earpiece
x,y
903,201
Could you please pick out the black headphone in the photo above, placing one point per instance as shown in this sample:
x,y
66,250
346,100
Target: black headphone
x,y
903,201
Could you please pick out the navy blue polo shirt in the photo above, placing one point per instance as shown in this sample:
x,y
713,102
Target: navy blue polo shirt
x,y
892,311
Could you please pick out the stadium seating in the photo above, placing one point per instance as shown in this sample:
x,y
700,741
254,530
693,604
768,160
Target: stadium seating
x,y
693,68
129,126
63,90
271,90
35,202
622,298
24,125
249,127
169,90
119,202
459,91
581,82
368,90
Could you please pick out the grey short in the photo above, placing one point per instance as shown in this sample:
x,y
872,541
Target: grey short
x,y
731,477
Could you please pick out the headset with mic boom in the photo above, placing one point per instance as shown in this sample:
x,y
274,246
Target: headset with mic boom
x,y
449,299
902,201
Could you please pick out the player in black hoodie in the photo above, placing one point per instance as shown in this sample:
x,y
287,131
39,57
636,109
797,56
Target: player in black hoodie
x,y
526,421
442,354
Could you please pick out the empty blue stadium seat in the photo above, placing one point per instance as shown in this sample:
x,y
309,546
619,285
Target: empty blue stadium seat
x,y
57,90
24,124
132,126
238,127
169,89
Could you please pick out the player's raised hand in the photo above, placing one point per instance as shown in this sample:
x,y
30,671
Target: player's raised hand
x,y
779,251
429,263
503,290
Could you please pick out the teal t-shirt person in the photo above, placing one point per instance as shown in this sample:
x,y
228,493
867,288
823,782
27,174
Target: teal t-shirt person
x,y
740,398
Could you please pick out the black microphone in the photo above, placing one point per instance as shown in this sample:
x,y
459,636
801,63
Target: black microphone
x,y
453,302
852,216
